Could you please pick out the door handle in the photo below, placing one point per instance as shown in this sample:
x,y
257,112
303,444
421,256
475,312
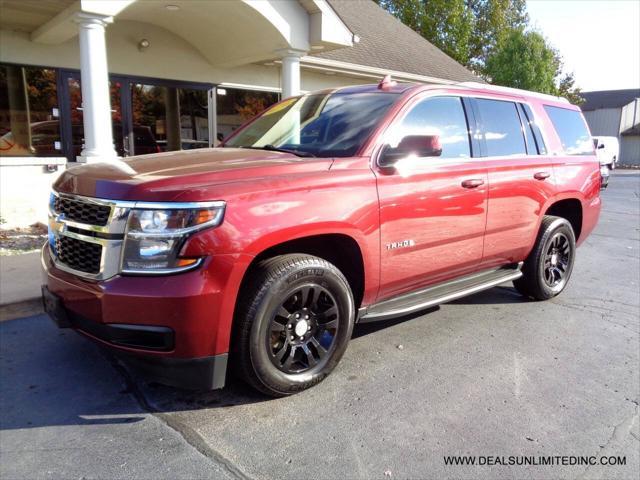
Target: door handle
x,y
472,183
541,175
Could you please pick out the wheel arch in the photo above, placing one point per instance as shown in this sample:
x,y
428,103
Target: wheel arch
x,y
571,210
340,249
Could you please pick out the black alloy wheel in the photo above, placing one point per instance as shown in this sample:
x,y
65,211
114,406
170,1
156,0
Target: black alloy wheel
x,y
304,329
547,269
556,260
294,319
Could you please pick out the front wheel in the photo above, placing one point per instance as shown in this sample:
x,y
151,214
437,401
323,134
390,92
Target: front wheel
x,y
548,267
294,319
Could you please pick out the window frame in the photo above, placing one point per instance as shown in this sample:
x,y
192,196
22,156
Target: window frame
x,y
411,103
538,135
532,149
481,133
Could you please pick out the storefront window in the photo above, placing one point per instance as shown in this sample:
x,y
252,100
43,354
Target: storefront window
x,y
29,115
236,106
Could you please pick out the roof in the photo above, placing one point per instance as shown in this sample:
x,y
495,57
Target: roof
x,y
608,98
635,130
385,42
399,87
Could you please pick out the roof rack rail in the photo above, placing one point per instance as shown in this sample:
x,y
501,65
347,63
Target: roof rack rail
x,y
514,91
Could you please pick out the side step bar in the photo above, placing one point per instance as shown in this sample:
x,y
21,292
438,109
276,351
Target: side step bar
x,y
437,294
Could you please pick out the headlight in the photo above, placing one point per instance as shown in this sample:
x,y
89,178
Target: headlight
x,y
155,235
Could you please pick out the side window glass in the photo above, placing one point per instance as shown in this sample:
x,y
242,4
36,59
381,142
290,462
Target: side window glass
x,y
441,117
571,129
528,133
542,148
501,128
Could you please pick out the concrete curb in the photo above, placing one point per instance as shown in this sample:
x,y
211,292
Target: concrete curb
x,y
24,308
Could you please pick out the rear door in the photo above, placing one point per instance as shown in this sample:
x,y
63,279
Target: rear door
x,y
520,178
432,209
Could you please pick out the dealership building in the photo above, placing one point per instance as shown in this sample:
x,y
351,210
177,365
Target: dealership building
x,y
87,80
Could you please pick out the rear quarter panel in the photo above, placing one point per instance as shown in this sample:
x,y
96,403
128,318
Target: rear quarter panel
x,y
576,176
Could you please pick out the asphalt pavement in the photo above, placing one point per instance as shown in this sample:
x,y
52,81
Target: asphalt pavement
x,y
489,376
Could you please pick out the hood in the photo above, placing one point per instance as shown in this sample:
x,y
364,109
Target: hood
x,y
169,176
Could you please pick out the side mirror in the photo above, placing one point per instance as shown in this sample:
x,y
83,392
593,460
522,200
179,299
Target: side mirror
x,y
418,145
601,146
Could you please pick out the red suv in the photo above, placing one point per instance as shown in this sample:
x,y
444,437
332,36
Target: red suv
x,y
328,209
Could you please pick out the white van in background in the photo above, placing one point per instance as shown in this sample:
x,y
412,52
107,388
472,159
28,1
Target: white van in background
x,y
607,150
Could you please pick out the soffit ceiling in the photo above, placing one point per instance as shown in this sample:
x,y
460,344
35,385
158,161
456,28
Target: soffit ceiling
x,y
27,15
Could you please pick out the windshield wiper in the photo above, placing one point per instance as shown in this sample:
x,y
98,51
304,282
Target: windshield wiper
x,y
273,148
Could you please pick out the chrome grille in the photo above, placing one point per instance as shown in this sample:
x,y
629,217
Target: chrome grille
x,y
86,234
83,212
78,255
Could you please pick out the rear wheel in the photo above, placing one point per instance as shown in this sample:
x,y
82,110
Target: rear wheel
x,y
547,270
294,320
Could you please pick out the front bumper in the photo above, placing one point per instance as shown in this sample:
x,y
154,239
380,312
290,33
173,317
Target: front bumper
x,y
176,329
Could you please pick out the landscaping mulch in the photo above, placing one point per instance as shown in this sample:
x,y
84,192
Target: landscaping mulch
x,y
22,240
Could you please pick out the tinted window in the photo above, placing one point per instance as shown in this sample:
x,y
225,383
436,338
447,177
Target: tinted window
x,y
441,116
571,129
501,128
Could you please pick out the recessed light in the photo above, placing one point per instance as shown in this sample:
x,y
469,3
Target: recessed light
x,y
172,8
143,44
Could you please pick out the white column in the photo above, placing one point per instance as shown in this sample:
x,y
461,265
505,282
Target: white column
x,y
290,72
96,104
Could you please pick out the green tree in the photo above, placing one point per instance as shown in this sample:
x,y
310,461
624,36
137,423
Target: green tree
x,y
466,30
524,59
492,20
567,89
490,37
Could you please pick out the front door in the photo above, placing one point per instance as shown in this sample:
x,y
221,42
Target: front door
x,y
432,209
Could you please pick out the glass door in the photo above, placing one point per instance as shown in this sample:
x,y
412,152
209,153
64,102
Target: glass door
x,y
148,116
72,115
167,117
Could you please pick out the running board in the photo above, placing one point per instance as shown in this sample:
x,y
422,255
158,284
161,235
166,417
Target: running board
x,y
437,294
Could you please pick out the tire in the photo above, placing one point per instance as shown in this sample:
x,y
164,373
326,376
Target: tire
x,y
547,269
294,319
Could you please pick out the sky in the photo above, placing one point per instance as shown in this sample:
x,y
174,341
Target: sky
x,y
599,40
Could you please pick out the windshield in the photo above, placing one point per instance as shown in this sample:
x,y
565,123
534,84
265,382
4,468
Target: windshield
x,y
322,125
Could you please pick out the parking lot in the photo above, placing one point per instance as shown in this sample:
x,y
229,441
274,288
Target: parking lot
x,y
489,375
